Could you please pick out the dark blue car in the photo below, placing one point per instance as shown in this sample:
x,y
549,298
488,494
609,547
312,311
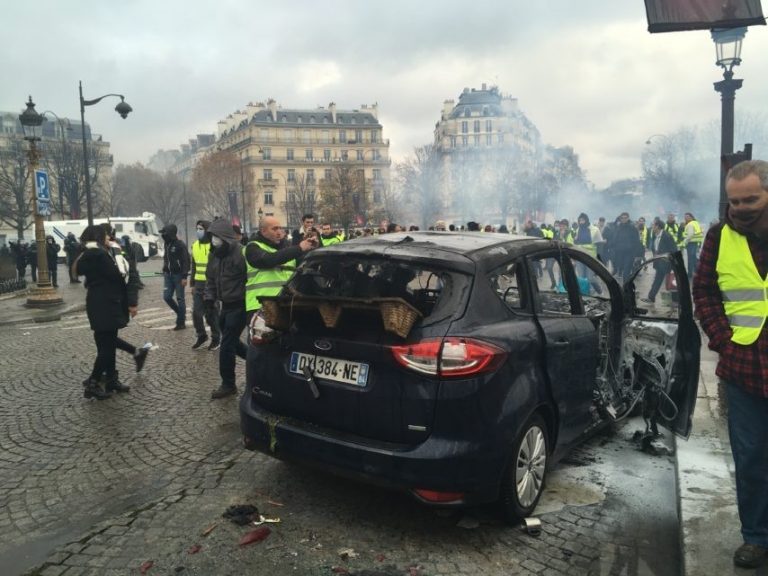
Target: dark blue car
x,y
459,367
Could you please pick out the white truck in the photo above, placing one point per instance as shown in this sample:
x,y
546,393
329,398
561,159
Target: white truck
x,y
142,230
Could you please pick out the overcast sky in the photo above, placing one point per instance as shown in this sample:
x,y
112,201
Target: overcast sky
x,y
587,72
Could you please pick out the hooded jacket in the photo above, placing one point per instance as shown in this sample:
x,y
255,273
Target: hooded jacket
x,y
108,295
226,272
176,257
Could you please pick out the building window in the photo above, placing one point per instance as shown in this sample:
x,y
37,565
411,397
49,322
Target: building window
x,y
501,137
374,136
288,135
464,126
376,154
489,125
344,155
328,172
376,174
465,141
283,118
289,154
325,137
305,136
467,112
266,153
326,154
359,135
453,141
476,139
268,201
263,134
267,173
310,176
308,154
476,126
291,174
311,119
489,139
376,196
360,155
342,136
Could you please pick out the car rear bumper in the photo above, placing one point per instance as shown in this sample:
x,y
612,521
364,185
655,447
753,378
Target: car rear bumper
x,y
438,464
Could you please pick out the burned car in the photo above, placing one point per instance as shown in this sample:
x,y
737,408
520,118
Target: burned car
x,y
460,367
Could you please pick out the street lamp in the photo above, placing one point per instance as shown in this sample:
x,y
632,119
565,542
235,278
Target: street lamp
x,y
44,295
260,213
728,47
123,108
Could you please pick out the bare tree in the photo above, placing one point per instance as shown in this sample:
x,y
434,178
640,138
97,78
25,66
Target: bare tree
x,y
15,189
342,196
417,180
301,199
216,176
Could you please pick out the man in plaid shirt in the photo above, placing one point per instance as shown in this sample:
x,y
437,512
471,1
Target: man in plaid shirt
x,y
730,290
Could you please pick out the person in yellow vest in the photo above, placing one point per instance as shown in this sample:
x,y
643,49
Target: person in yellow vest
x,y
729,290
693,237
328,237
674,229
270,262
200,252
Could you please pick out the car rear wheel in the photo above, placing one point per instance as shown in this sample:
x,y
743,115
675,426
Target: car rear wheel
x,y
523,481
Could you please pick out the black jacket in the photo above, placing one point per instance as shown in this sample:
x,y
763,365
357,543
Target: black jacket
x,y
109,296
258,258
176,258
225,274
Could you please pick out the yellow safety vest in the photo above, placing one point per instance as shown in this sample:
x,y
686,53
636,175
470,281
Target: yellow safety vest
x,y
265,281
590,248
330,241
744,291
547,233
644,236
200,252
697,237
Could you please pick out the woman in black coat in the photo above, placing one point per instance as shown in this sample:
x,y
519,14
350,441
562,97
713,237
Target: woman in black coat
x,y
111,301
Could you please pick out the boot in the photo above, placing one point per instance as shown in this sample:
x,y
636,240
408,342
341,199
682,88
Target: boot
x,y
113,384
93,388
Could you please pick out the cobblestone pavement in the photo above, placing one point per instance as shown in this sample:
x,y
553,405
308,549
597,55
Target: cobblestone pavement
x,y
139,482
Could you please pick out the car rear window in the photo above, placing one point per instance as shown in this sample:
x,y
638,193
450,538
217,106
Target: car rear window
x,y
420,286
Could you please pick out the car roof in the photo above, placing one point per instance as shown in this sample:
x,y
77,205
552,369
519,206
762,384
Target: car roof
x,y
459,248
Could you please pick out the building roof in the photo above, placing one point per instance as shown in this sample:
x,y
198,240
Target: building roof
x,y
314,117
478,103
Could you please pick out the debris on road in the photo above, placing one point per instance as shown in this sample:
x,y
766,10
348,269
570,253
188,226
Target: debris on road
x,y
194,549
257,535
532,526
146,566
264,520
210,529
346,553
241,514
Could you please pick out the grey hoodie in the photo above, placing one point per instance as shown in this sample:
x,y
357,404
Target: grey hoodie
x,y
226,271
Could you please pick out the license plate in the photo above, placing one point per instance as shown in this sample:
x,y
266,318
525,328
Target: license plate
x,y
344,371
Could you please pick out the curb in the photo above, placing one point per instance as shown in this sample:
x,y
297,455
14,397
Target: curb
x,y
52,315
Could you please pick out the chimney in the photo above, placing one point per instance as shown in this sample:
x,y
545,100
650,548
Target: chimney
x,y
332,108
483,86
375,110
222,127
272,109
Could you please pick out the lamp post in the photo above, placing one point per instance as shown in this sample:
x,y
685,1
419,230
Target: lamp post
x,y
246,219
123,108
260,213
728,47
44,295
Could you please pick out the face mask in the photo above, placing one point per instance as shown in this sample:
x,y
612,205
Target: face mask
x,y
216,241
200,234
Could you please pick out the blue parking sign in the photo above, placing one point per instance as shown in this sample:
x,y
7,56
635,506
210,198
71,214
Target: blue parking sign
x,y
43,193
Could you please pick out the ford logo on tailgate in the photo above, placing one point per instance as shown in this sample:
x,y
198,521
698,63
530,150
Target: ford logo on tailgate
x,y
323,345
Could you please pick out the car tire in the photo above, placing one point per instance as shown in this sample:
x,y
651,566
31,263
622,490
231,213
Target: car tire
x,y
138,252
523,482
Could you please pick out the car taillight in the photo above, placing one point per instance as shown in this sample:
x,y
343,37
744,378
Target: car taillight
x,y
449,357
438,497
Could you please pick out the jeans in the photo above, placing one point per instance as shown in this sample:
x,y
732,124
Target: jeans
x,y
173,285
232,322
199,312
692,251
748,430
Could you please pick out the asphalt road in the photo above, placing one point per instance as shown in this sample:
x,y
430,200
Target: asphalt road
x,y
141,481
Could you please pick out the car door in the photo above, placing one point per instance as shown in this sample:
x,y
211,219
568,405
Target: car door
x,y
661,341
570,341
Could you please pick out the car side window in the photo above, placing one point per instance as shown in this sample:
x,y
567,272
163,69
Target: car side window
x,y
506,281
552,285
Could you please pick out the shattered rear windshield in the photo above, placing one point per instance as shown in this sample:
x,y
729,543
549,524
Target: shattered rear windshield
x,y
368,279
